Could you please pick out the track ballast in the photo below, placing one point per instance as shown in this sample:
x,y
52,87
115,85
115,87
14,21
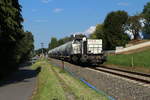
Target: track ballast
x,y
140,77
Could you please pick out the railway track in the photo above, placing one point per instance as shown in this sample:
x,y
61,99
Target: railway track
x,y
136,76
121,87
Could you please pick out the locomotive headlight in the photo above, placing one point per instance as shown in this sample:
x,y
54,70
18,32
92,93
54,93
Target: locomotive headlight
x,y
84,39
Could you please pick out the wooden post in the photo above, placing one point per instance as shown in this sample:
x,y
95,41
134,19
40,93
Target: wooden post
x,y
132,62
63,65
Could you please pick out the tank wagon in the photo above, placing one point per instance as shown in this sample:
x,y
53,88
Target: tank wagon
x,y
80,50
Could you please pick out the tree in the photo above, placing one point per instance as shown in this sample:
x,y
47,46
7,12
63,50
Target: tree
x,y
113,29
11,33
146,15
65,40
99,34
26,47
99,31
93,36
53,43
60,42
12,37
41,50
134,25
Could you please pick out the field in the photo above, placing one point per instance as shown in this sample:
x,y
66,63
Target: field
x,y
55,84
138,59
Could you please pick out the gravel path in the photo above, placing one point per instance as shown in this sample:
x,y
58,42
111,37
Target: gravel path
x,y
19,86
115,86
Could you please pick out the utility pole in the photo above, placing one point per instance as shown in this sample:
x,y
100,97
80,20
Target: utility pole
x,y
42,47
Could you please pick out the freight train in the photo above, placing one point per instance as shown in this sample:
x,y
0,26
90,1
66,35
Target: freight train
x,y
80,51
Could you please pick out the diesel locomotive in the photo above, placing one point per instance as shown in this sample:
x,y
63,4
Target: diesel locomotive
x,y
80,50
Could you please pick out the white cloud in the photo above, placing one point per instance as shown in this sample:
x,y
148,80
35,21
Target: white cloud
x,y
123,4
46,1
57,10
40,20
87,32
90,30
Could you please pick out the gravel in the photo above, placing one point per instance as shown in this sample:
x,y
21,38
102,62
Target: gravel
x,y
115,86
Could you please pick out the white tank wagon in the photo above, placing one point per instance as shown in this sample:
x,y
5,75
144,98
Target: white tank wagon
x,y
81,50
63,50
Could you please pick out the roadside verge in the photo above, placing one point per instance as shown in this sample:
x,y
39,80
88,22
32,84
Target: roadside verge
x,y
56,84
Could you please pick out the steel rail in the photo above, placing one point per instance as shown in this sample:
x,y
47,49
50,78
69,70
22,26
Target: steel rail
x,y
126,74
127,71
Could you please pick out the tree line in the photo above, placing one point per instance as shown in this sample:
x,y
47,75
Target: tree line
x,y
113,31
117,24
54,42
16,44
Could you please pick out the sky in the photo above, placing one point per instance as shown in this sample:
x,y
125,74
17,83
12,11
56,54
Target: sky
x,y
60,18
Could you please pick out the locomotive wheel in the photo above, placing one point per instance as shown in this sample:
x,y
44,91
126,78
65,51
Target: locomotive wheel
x,y
75,59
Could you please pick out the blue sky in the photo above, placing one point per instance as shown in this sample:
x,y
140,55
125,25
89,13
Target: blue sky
x,y
60,18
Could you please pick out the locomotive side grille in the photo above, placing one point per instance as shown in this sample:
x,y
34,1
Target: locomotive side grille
x,y
94,46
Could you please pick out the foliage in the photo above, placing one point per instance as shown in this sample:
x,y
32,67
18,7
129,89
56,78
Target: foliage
x,y
60,42
134,26
64,40
99,31
146,14
26,46
53,43
114,31
39,51
99,34
93,36
12,36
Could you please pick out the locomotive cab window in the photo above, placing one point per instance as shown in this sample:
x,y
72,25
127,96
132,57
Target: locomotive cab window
x,y
76,41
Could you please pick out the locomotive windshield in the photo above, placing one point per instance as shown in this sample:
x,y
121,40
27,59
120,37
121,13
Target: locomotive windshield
x,y
77,41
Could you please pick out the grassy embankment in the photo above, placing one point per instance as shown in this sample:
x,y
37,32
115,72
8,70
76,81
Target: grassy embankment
x,y
55,84
138,59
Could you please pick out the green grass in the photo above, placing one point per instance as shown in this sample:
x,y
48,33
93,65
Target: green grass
x,y
48,87
140,59
80,90
56,84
